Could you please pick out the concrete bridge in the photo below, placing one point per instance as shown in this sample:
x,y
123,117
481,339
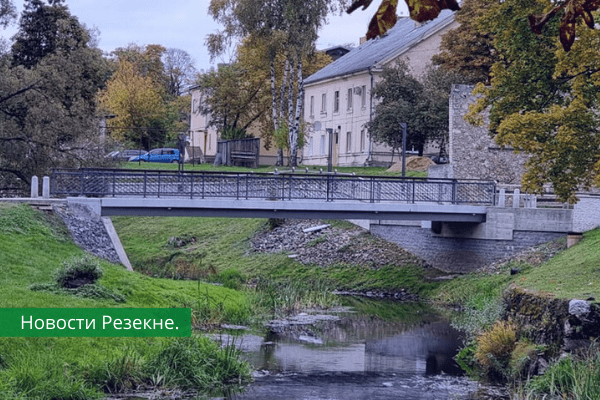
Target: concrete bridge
x,y
454,225
260,195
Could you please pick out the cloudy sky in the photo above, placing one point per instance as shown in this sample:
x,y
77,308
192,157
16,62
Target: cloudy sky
x,y
184,24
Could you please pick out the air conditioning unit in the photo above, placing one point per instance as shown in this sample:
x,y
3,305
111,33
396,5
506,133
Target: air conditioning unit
x,y
357,90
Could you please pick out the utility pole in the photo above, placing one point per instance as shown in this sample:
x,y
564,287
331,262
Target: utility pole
x,y
403,126
330,157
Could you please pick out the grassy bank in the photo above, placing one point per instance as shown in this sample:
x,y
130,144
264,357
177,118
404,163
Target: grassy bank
x,y
210,248
167,252
32,246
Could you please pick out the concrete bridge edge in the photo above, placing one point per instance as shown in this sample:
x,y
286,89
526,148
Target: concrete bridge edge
x,y
114,238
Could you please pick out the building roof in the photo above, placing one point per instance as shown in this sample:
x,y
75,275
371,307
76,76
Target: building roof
x,y
404,35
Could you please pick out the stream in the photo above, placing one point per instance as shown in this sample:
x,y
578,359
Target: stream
x,y
399,351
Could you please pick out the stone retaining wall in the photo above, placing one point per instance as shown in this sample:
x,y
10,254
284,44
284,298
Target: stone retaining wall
x,y
88,231
460,255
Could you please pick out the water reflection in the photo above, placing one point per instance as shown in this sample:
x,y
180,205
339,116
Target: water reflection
x,y
361,357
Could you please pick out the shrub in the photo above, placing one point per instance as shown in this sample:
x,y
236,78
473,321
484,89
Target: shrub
x,y
494,348
78,271
570,378
198,363
521,357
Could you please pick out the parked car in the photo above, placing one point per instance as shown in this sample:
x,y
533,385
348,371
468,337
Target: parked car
x,y
159,155
125,155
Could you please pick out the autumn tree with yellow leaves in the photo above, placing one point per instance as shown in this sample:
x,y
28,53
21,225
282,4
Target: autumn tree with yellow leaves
x,y
542,99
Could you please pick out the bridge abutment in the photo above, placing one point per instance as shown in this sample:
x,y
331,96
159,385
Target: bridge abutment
x,y
463,247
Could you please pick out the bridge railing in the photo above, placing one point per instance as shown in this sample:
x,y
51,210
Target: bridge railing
x,y
268,186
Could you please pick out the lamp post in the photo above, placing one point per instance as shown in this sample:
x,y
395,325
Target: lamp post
x,y
330,156
403,126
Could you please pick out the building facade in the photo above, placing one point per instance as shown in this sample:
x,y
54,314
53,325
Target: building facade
x,y
338,97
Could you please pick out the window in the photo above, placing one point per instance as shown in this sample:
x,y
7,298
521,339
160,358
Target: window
x,y
310,146
324,103
349,142
363,97
322,145
336,101
312,106
349,107
363,140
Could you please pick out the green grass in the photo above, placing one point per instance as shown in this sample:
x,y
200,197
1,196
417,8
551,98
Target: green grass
x,y
32,247
572,274
265,169
223,244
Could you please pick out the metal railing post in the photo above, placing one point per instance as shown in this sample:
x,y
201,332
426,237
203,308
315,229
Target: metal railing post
x,y
158,190
145,183
454,187
81,191
191,186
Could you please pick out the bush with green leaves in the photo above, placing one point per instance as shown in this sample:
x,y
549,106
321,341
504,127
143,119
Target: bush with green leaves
x,y
80,269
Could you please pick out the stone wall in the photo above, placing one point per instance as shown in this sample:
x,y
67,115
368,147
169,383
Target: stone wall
x,y
586,213
473,153
459,255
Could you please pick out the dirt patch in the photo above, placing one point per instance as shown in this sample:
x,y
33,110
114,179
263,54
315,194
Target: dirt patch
x,y
413,163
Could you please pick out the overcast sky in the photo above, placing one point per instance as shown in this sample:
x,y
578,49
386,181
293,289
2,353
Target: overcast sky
x,y
183,24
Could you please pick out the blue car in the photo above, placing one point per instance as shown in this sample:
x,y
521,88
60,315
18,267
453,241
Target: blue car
x,y
159,155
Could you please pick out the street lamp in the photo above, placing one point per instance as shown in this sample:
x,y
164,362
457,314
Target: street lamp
x,y
403,126
330,156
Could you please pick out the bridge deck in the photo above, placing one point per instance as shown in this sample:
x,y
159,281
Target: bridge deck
x,y
126,192
235,208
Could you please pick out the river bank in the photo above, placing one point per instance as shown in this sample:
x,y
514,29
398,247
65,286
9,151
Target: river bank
x,y
167,252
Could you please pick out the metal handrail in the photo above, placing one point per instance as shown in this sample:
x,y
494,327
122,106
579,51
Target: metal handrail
x,y
268,186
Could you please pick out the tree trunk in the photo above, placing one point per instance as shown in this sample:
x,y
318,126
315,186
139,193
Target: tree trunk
x,y
274,109
295,130
290,112
284,84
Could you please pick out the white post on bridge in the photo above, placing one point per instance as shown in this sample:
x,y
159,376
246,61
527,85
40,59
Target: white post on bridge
x,y
35,187
516,198
502,198
46,187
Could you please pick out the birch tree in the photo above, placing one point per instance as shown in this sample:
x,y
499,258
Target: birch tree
x,y
282,24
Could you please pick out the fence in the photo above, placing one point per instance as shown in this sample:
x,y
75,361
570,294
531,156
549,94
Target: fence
x,y
244,152
269,186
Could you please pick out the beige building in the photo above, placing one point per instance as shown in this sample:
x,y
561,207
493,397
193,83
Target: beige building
x,y
203,139
338,97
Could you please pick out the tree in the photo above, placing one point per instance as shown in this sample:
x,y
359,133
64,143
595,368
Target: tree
x,y
543,100
422,104
572,12
46,29
400,100
179,70
137,104
48,104
8,13
232,99
139,94
467,50
285,26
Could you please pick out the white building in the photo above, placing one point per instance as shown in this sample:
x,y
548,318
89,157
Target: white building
x,y
339,95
